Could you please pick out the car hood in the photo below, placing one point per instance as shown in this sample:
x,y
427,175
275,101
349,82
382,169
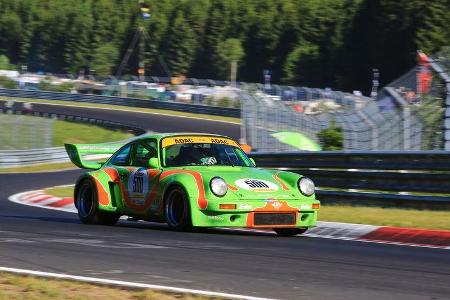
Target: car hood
x,y
248,183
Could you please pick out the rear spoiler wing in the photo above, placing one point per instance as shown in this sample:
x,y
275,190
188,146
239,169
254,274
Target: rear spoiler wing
x,y
79,154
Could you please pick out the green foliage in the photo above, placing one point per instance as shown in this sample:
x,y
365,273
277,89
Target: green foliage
x,y
333,43
7,83
224,102
229,51
104,59
47,85
180,45
4,63
430,112
331,138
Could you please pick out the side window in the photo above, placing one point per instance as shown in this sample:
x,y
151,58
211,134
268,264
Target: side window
x,y
121,158
144,151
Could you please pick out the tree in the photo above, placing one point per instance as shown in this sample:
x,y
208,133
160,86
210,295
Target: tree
x,y
179,45
331,138
104,59
7,83
4,63
230,52
10,34
300,63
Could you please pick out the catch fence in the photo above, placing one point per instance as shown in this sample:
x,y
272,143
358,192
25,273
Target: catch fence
x,y
411,113
25,132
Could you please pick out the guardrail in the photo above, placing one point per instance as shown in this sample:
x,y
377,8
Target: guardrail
x,y
19,158
133,102
421,177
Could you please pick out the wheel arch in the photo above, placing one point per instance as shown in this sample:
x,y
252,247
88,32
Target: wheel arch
x,y
168,188
80,179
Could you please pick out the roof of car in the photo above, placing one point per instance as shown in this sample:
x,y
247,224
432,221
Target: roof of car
x,y
164,135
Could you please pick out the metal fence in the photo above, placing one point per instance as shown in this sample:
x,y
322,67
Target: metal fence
x,y
411,113
24,132
416,179
26,138
208,92
272,125
123,101
420,96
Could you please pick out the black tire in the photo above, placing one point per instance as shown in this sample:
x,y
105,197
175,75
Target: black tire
x,y
86,202
289,231
177,209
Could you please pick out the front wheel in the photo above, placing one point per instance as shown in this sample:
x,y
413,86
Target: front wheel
x,y
289,231
177,210
86,202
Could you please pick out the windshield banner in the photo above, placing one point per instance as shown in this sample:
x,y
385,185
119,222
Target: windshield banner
x,y
195,139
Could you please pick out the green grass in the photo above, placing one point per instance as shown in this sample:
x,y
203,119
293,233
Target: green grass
x,y
60,191
18,287
426,219
25,132
119,107
76,133
355,214
39,168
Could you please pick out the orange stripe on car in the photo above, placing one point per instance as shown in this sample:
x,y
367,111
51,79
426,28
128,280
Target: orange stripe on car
x,y
103,196
281,182
150,197
201,200
233,188
112,173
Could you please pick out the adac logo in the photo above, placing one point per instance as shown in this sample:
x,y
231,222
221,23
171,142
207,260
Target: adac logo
x,y
256,185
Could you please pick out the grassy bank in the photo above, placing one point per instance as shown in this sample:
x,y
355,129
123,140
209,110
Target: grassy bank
x,y
356,214
39,168
24,132
18,287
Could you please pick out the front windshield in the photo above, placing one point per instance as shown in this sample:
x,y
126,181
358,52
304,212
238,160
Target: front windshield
x,y
196,154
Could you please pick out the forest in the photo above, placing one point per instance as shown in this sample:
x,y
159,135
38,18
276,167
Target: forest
x,y
315,43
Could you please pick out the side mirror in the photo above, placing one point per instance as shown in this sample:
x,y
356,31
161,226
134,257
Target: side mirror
x,y
153,163
253,161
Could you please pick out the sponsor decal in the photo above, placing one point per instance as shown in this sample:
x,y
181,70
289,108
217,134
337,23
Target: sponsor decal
x,y
169,141
216,218
138,186
256,185
245,206
276,204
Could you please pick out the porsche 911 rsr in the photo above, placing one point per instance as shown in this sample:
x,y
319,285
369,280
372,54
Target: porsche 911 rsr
x,y
189,180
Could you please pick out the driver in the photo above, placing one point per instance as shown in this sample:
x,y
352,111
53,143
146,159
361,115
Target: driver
x,y
190,154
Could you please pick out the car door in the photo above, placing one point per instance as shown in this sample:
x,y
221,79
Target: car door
x,y
137,180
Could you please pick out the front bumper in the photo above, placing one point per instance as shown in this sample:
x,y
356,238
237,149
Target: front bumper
x,y
258,214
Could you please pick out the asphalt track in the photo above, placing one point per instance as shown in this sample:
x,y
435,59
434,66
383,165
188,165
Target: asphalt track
x,y
153,122
254,264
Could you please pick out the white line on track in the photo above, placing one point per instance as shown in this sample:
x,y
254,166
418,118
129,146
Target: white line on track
x,y
139,112
129,284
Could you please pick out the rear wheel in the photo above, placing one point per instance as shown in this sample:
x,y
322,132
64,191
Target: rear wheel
x,y
86,202
177,211
289,231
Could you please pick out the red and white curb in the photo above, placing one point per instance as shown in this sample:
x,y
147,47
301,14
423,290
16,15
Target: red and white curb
x,y
39,198
329,230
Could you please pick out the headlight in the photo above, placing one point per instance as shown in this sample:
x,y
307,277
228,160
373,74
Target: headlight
x,y
306,186
218,186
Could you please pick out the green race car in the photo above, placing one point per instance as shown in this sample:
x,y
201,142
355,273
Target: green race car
x,y
189,180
